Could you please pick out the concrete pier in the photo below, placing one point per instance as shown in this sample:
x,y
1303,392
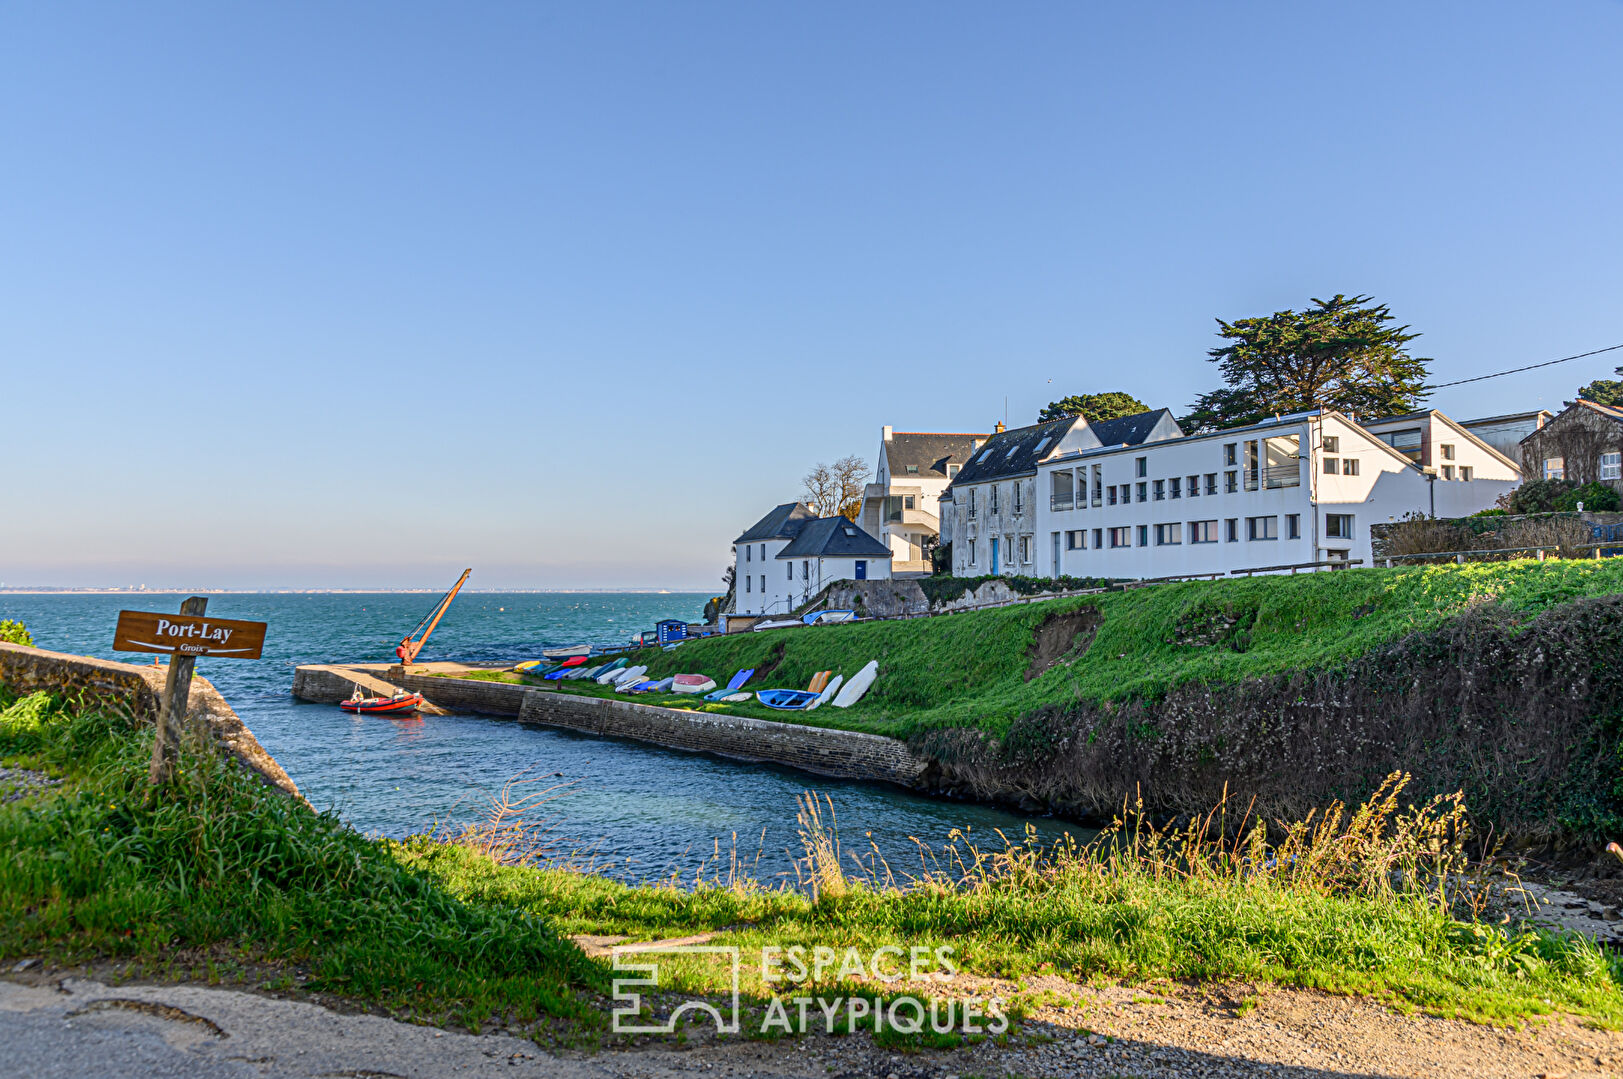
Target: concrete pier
x,y
818,750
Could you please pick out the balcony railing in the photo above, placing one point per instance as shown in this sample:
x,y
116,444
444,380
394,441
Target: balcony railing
x,y
1061,502
1282,476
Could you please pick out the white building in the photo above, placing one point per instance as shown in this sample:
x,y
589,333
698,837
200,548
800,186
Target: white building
x,y
990,511
1300,489
901,505
788,556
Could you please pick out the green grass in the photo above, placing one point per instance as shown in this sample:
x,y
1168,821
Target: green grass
x,y
1136,909
220,878
222,875
968,670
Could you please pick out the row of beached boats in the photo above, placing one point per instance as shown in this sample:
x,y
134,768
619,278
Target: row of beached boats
x,y
826,687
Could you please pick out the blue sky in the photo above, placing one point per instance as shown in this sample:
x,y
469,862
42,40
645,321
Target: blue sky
x,y
573,293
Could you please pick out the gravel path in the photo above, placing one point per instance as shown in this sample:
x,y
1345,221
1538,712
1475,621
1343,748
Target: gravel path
x,y
62,1027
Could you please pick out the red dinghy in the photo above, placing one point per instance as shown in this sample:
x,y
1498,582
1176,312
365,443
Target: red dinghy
x,y
399,704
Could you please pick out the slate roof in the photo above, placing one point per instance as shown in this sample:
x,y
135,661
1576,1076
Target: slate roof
x,y
834,537
1128,430
1024,442
928,452
784,522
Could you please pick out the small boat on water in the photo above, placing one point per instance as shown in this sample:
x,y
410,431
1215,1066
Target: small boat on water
x,y
397,705
691,683
791,700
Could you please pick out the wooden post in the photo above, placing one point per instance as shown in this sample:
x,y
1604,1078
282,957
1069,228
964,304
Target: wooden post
x,y
177,692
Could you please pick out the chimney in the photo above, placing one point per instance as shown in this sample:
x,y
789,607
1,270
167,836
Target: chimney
x,y
887,431
999,428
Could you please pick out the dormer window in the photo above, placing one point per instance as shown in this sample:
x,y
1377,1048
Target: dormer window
x,y
952,470
912,470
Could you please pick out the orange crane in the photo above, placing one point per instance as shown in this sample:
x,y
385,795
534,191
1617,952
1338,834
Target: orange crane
x,y
411,644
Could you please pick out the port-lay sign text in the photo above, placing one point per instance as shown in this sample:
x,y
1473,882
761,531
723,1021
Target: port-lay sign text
x,y
188,635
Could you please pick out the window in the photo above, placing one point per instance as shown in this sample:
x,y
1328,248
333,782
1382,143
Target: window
x,y
992,504
1167,535
1017,485
1160,490
1202,531
746,553
1282,467
1338,526
1448,472
1143,535
763,552
972,509
1466,472
1112,494
1611,466
1042,444
1332,444
1098,538
1228,453
912,470
907,502
1293,526
1231,482
1231,528
952,470
1252,475
1448,451
1349,466
972,552
1332,466
1555,468
1059,496
763,584
805,570
1262,528
1143,492
1119,537
1098,476
1126,493
1194,486
1142,465
1406,442
1076,541
747,582
790,566
1176,486
1211,483
1025,548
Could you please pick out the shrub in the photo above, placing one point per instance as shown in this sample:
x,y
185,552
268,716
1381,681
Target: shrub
x,y
1595,496
15,633
1536,496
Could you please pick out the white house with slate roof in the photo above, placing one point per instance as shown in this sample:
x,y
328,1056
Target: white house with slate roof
x,y
901,506
788,556
991,510
1291,491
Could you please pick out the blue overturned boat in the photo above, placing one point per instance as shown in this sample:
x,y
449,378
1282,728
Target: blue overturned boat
x,y
790,700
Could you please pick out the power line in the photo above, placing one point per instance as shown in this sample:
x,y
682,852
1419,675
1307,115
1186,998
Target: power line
x,y
1529,367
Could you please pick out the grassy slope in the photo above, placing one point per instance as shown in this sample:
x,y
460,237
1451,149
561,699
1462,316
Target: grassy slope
x,y
968,669
222,878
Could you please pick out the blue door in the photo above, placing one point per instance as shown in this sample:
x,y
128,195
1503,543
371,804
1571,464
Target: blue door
x,y
994,556
862,569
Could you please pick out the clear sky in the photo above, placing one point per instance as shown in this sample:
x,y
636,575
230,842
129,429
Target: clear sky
x,y
316,294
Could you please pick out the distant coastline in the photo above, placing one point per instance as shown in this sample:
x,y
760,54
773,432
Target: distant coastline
x,y
45,591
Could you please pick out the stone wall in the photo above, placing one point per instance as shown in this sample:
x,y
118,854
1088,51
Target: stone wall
x,y
819,750
1496,532
99,682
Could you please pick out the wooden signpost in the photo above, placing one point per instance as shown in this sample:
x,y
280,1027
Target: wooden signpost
x,y
185,637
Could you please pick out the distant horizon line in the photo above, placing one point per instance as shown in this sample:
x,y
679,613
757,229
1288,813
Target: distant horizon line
x,y
46,590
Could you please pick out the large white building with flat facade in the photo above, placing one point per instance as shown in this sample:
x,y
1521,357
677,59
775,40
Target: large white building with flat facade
x,y
1293,491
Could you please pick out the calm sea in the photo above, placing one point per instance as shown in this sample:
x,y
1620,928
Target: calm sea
x,y
645,812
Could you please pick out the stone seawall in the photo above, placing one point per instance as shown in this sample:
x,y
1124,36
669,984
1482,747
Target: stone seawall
x,y
819,750
100,682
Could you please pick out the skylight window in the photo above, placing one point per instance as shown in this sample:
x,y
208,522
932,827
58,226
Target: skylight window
x,y
850,531
1041,444
1012,448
